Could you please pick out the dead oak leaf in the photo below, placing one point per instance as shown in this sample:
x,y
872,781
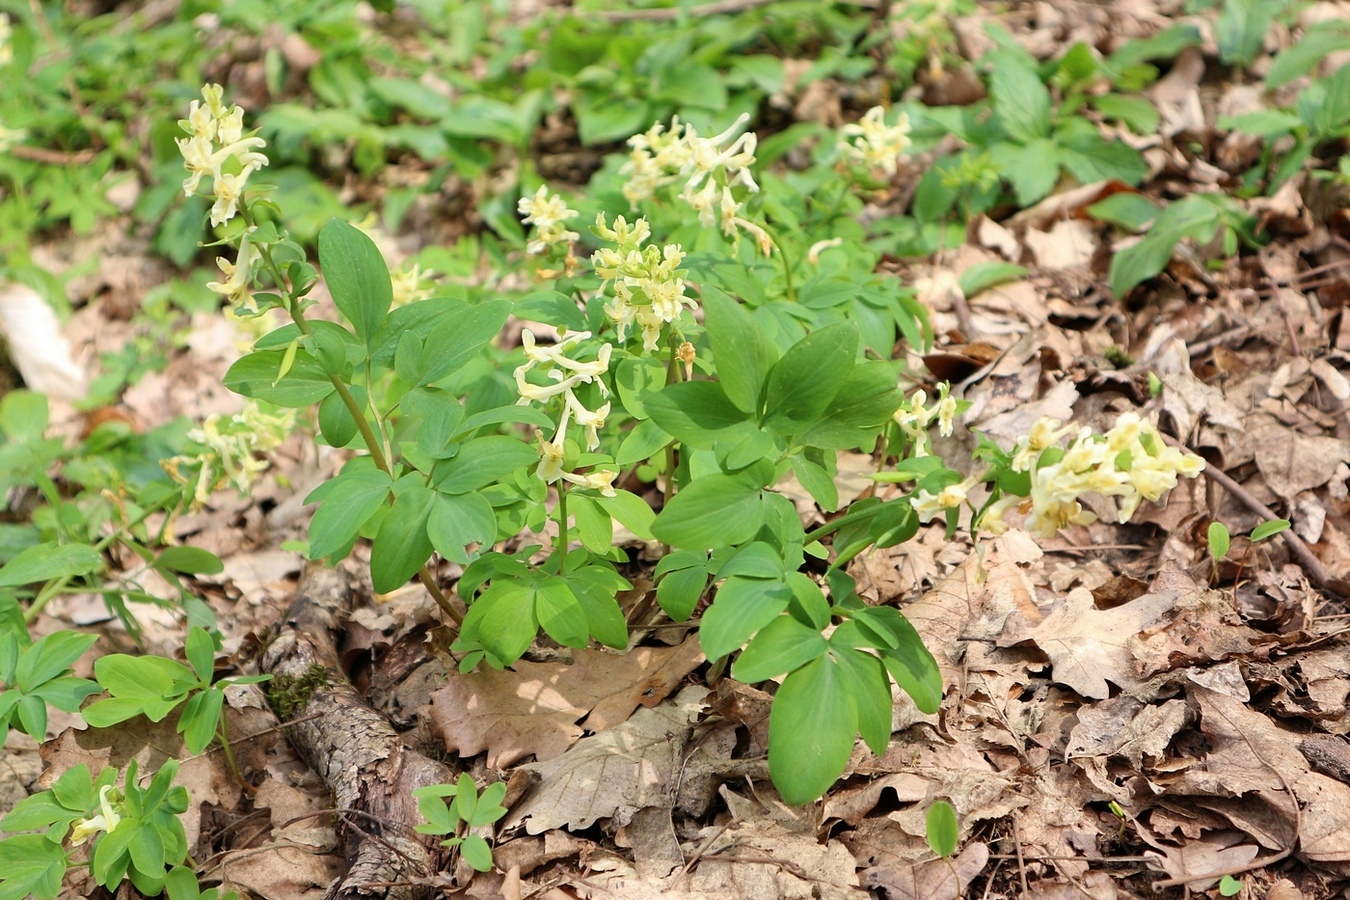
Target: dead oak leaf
x,y
613,774
536,707
1089,647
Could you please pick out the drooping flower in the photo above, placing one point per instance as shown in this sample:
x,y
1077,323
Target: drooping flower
x,y
106,820
566,374
648,282
216,147
547,213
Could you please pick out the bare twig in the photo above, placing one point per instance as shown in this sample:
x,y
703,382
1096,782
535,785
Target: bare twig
x,y
1312,566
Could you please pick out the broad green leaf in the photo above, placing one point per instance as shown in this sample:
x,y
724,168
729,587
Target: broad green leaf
x,y
45,808
336,422
631,511
1138,113
1303,55
594,526
476,852
559,612
604,618
401,546
1218,540
679,591
1130,211
31,866
23,416
802,383
941,829
867,401
459,520
551,307
49,560
147,851
110,852
460,338
742,352
348,502
811,730
713,511
1031,169
756,560
199,718
49,657
696,412
1090,159
148,677
985,275
916,671
1193,217
74,790
357,277
637,378
742,607
871,687
481,462
817,482
255,375
200,651
781,646
189,560
1021,99
1267,529
502,619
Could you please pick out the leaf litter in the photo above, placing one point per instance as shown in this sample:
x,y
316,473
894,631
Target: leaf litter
x,y
1113,726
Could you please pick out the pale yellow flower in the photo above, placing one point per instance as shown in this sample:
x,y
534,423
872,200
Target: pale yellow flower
x,y
875,144
106,820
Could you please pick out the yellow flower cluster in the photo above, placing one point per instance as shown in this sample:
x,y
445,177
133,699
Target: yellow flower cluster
x,y
107,819
1129,462
218,147
232,447
875,144
566,374
648,282
915,417
711,170
547,213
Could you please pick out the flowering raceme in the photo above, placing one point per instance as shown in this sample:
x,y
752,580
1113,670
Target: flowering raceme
x,y
648,282
711,169
547,213
875,144
1129,462
566,374
231,455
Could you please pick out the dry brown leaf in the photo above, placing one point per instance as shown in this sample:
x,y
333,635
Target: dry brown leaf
x,y
613,774
1220,852
936,879
1200,628
1089,647
766,859
535,708
1126,728
1292,462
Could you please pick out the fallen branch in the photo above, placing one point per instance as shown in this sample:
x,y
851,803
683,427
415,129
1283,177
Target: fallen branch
x,y
360,757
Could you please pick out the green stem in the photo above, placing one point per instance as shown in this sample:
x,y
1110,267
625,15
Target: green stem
x,y
229,756
563,539
787,266
374,443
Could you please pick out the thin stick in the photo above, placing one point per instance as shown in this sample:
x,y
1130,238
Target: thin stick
x,y
1311,564
1021,863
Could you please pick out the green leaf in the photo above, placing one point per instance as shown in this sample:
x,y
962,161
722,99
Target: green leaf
x,y
811,729
462,337
336,423
802,383
1032,170
982,276
1230,886
742,352
1193,217
551,307
817,482
594,526
559,612
401,546
1090,159
871,687
200,716
1021,100
915,670
1130,211
31,866
49,657
23,416
200,651
1218,540
631,511
757,560
679,591
941,828
502,619
867,400
1140,115
189,560
49,560
348,503
147,851
713,511
781,646
481,462
476,852
699,413
1241,28
357,277
43,809
459,520
595,590
1268,529
742,607
255,375
1303,55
